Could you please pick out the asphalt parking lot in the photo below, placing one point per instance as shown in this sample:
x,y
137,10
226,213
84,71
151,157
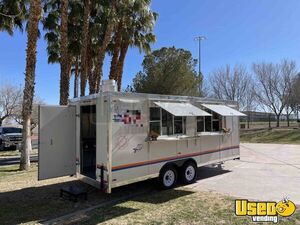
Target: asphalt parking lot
x,y
264,172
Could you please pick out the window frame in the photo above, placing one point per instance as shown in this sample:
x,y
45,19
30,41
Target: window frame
x,y
212,120
155,121
197,119
173,124
219,120
183,121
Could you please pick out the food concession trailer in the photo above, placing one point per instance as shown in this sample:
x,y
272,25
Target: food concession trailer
x,y
111,138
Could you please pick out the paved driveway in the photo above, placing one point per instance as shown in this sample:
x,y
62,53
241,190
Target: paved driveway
x,y
265,172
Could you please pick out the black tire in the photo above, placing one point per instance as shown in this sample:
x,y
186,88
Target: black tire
x,y
188,172
168,177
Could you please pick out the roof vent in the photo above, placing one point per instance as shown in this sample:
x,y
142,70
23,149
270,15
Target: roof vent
x,y
109,85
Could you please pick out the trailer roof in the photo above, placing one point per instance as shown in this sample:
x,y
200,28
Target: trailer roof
x,y
154,97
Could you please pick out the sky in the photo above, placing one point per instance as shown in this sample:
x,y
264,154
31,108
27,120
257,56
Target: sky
x,y
237,31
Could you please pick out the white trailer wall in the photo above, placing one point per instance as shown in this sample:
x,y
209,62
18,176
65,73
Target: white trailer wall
x,y
134,157
129,133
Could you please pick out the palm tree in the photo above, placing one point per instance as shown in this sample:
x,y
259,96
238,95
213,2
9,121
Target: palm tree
x,y
75,70
137,32
65,64
116,50
33,33
90,55
105,17
74,37
52,26
12,15
84,47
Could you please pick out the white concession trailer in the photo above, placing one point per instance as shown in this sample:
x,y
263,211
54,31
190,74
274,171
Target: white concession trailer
x,y
111,138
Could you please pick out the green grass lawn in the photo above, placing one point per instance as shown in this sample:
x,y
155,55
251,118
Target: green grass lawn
x,y
14,170
281,123
8,153
280,136
262,124
176,206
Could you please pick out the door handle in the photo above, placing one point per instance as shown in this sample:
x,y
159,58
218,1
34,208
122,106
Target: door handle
x,y
51,141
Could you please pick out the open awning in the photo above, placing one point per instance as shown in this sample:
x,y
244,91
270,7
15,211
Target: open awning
x,y
182,109
223,110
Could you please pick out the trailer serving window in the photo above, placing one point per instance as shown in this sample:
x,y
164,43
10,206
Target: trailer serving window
x,y
172,117
209,123
216,122
219,112
208,126
179,125
164,123
200,123
155,120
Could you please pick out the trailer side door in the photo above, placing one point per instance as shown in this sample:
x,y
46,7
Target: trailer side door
x,y
57,141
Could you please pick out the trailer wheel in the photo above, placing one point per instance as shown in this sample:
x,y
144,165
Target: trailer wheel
x,y
188,172
168,177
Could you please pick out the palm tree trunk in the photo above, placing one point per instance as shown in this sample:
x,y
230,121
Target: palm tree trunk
x,y
76,74
34,17
85,32
102,49
101,55
120,65
116,51
90,64
64,61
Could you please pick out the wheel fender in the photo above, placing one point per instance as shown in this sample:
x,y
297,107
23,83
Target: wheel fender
x,y
173,164
190,160
177,164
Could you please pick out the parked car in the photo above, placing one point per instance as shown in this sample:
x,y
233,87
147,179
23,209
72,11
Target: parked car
x,y
10,137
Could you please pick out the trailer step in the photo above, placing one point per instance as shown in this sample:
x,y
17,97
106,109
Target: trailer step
x,y
73,193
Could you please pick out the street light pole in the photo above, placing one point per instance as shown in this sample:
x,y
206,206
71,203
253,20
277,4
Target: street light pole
x,y
199,39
